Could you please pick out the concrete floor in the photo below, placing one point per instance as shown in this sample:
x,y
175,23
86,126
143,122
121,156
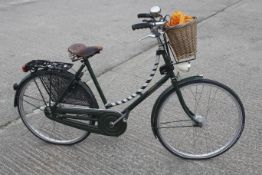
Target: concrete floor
x,y
229,49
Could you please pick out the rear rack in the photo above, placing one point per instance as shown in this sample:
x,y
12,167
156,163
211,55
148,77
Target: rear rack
x,y
45,64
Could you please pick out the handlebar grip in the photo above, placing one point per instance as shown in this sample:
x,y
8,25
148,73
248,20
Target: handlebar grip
x,y
144,15
141,26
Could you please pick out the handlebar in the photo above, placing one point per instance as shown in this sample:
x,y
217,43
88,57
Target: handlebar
x,y
141,26
155,23
144,15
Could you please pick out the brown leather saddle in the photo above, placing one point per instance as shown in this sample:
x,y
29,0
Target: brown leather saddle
x,y
79,51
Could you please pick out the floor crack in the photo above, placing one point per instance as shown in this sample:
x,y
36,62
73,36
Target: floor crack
x,y
151,46
7,124
219,11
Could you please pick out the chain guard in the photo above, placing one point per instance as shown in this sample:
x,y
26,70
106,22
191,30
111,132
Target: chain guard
x,y
109,130
100,123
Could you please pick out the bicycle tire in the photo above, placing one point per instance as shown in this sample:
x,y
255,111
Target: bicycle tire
x,y
188,132
80,95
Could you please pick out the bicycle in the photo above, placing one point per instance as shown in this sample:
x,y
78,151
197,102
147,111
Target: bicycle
x,y
194,118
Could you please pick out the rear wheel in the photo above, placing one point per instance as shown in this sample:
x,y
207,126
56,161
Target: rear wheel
x,y
215,105
42,89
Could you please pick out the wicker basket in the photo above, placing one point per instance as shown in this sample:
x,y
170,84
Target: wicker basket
x,y
183,40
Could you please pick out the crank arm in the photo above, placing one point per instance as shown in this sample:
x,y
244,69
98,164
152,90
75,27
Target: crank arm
x,y
123,117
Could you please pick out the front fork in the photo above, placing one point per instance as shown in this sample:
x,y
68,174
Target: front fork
x,y
189,113
168,68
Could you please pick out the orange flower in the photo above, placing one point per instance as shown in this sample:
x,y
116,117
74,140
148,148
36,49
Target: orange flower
x,y
178,17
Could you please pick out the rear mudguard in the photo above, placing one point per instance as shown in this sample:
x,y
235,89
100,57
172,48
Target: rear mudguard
x,y
18,86
162,96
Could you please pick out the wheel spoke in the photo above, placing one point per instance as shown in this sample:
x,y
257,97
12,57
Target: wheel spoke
x,y
36,107
40,92
28,96
213,105
175,121
34,96
175,126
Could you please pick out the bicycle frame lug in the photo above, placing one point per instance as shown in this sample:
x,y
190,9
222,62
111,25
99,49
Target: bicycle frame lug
x,y
160,52
166,68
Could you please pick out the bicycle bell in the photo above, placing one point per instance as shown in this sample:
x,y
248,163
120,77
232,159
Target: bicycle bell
x,y
155,11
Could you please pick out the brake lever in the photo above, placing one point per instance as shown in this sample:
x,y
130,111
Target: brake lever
x,y
148,36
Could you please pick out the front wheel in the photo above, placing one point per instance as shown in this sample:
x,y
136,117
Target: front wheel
x,y
215,105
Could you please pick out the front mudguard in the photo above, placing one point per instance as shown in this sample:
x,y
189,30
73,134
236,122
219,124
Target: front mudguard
x,y
163,95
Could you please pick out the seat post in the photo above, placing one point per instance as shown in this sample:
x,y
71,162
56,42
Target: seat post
x,y
91,72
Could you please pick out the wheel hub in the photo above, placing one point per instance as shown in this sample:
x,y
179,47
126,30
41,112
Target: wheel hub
x,y
48,112
201,120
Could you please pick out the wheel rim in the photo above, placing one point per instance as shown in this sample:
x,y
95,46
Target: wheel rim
x,y
175,129
31,108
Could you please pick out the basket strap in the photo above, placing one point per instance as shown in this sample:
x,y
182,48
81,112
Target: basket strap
x,y
140,90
